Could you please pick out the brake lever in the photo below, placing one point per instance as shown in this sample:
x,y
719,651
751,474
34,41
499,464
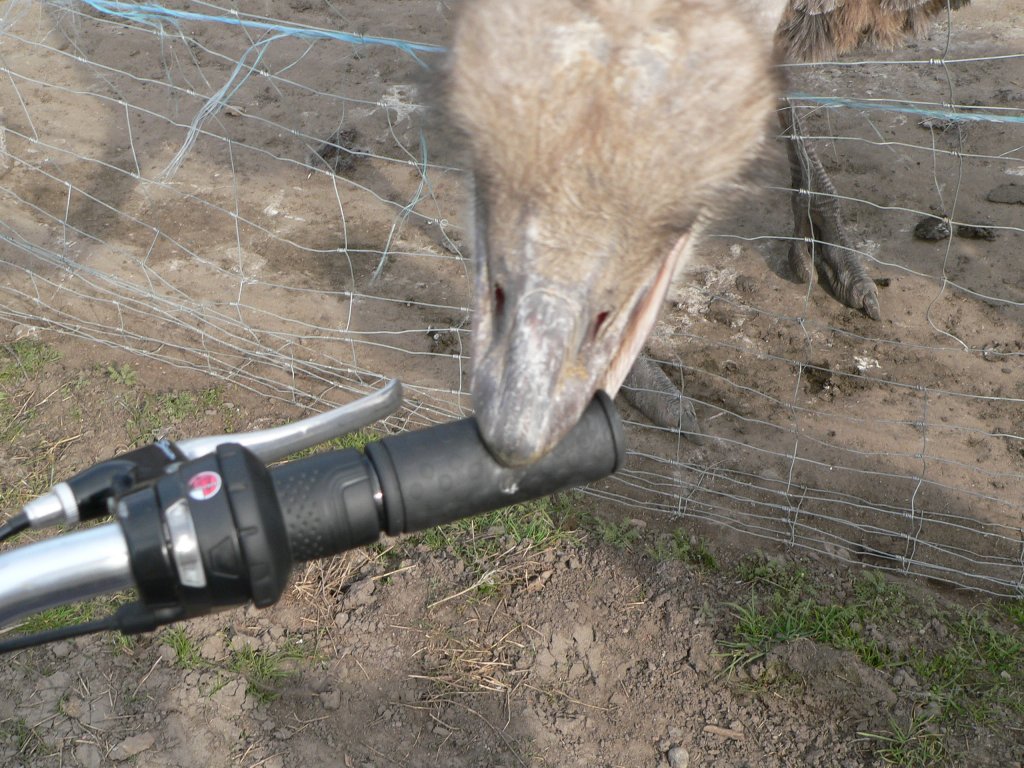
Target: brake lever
x,y
89,494
275,444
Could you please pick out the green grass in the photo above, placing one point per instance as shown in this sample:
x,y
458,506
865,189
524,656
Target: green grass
x,y
762,624
621,534
23,359
687,549
152,415
498,547
73,613
19,362
972,670
185,648
481,538
264,671
915,745
980,671
26,740
357,439
123,374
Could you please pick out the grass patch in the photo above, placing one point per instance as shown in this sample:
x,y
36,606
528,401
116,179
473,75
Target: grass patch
x,y
979,672
264,671
762,624
481,538
123,375
19,362
621,534
151,416
630,535
687,549
970,662
357,439
185,648
23,359
916,745
500,547
73,613
27,741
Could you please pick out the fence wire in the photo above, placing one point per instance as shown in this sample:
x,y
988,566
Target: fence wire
x,y
260,197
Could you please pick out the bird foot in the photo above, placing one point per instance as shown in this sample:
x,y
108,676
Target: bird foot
x,y
839,268
819,236
651,392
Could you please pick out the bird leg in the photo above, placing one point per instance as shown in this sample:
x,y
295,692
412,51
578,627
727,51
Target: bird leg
x,y
648,389
819,237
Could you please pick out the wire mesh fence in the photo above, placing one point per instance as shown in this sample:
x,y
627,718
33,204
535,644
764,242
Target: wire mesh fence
x,y
260,196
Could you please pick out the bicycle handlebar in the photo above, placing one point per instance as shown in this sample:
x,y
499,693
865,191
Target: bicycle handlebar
x,y
222,530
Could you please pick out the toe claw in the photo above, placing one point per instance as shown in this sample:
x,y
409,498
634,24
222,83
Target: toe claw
x,y
689,425
870,305
864,295
800,261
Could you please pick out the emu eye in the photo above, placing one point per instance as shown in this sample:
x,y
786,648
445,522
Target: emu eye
x,y
499,299
599,322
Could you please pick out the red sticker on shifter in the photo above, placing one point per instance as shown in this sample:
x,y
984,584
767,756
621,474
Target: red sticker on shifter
x,y
204,485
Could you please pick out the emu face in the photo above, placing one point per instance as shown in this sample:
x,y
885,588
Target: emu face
x,y
600,134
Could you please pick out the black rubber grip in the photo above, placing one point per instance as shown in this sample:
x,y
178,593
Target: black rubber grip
x,y
344,499
328,503
444,473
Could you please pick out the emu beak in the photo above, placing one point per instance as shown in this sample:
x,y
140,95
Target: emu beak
x,y
545,345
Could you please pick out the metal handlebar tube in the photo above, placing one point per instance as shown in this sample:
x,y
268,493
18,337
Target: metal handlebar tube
x,y
62,570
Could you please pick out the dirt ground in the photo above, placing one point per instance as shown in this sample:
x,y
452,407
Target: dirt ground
x,y
837,442
605,644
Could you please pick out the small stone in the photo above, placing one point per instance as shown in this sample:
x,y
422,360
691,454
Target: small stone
x,y
583,635
132,746
932,228
61,650
331,700
360,593
1010,194
975,232
88,756
678,757
167,654
241,642
73,707
212,648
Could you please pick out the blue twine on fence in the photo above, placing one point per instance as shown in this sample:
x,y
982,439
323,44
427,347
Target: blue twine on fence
x,y
152,15
155,16
968,115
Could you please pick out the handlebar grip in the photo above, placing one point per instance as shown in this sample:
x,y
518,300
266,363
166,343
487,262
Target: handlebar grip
x,y
336,501
444,473
330,503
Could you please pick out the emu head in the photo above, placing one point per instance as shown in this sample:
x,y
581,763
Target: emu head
x,y
600,134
